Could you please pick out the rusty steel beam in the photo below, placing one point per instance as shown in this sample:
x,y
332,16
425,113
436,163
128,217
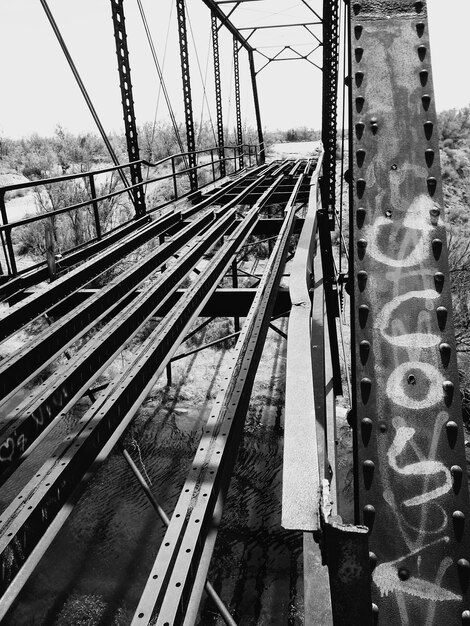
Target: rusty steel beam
x,y
29,516
21,366
125,83
67,384
187,95
218,94
178,566
329,105
411,478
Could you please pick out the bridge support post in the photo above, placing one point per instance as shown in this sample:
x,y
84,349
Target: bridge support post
x,y
411,478
188,103
236,72
130,126
262,156
330,93
218,95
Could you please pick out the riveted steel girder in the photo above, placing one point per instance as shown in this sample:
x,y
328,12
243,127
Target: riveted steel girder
x,y
259,127
218,94
411,480
130,126
187,97
330,94
238,111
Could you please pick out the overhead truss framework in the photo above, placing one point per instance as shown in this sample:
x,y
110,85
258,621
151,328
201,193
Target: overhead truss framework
x,y
280,33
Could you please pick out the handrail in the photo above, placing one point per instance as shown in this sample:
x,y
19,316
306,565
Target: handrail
x,y
65,177
6,226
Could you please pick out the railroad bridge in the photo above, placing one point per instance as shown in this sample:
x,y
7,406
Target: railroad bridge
x,y
402,556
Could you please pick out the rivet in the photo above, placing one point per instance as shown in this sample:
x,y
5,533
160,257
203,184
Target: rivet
x,y
466,617
394,167
358,31
388,213
403,573
364,350
347,80
420,28
464,573
439,281
360,187
432,185
361,248
422,52
362,279
368,513
457,473
411,379
375,611
458,520
368,468
359,78
360,156
436,248
363,315
448,387
366,430
419,6
359,103
434,214
426,100
452,430
366,386
360,129
359,52
441,313
351,418
429,156
428,128
383,427
445,351
357,6
423,77
360,217
372,560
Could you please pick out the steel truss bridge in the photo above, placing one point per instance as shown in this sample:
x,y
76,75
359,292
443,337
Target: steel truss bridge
x,y
405,559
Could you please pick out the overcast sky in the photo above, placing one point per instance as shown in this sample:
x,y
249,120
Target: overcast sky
x,y
39,91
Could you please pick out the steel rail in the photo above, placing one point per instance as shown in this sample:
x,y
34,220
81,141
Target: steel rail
x,y
169,588
22,366
32,276
37,304
67,384
27,518
35,275
209,589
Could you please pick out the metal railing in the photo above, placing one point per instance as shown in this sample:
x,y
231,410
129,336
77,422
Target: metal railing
x,y
250,151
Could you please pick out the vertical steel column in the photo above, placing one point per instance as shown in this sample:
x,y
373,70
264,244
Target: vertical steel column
x,y
262,156
330,91
188,104
218,95
236,71
411,475
124,69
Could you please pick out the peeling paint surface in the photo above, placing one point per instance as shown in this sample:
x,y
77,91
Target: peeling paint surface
x,y
406,382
